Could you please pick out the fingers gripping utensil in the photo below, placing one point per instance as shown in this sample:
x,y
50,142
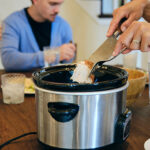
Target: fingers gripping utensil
x,y
100,63
104,52
106,49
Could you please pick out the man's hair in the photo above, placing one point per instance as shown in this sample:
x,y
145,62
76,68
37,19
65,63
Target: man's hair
x,y
32,1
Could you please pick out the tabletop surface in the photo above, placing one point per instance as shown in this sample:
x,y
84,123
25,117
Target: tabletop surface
x,y
17,119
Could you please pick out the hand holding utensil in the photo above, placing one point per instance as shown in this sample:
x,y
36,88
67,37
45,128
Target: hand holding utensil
x,y
104,52
100,63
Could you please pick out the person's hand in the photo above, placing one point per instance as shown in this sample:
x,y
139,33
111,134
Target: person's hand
x,y
146,13
132,11
136,37
67,51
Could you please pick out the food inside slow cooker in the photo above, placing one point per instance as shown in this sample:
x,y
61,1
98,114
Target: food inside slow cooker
x,y
82,71
64,76
58,78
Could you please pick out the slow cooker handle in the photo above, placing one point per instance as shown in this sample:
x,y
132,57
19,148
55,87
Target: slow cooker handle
x,y
62,111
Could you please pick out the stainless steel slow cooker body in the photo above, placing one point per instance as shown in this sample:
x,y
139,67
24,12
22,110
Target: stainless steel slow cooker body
x,y
81,120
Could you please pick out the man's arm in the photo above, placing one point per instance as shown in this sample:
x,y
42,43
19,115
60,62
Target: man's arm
x,y
12,56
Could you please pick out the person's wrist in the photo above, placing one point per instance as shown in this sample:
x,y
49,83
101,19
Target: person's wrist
x,y
143,2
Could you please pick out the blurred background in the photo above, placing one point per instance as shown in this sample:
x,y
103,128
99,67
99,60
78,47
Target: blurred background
x,y
89,20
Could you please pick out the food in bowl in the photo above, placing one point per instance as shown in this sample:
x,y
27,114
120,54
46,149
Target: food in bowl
x,y
29,86
137,81
82,71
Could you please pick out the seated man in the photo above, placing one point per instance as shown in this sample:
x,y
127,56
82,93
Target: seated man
x,y
28,31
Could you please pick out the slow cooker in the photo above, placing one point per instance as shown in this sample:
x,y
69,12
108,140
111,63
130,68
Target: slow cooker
x,y
81,116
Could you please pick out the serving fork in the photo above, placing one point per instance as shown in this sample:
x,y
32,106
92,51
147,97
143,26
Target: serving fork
x,y
100,63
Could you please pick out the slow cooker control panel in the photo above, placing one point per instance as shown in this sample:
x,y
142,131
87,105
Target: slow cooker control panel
x,y
123,126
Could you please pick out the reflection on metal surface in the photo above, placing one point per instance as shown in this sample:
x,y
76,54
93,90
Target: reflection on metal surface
x,y
92,127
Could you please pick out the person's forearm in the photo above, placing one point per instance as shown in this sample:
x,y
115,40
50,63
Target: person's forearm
x,y
146,13
143,2
17,61
146,9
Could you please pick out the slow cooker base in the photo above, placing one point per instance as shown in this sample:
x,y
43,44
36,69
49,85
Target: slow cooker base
x,y
47,147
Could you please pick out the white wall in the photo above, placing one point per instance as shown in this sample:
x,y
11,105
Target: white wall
x,y
9,6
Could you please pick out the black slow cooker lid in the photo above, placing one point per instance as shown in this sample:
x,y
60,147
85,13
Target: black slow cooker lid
x,y
58,78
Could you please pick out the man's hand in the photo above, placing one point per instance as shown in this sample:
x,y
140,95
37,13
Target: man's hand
x,y
132,11
67,51
136,37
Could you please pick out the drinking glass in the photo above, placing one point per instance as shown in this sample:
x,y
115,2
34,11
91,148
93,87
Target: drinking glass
x,y
52,54
13,88
45,48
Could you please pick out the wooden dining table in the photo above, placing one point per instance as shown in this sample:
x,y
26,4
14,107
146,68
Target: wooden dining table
x,y
18,119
